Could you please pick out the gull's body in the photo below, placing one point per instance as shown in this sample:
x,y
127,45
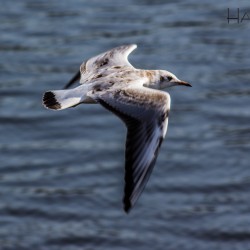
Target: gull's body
x,y
134,96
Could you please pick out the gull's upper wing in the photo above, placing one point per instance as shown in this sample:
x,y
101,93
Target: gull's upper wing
x,y
145,113
116,57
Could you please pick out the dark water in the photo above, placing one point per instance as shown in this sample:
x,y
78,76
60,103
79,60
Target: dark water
x,y
61,173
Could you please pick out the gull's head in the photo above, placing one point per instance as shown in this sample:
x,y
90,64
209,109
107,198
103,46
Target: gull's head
x,y
167,79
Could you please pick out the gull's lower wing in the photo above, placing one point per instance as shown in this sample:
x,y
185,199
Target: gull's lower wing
x,y
145,113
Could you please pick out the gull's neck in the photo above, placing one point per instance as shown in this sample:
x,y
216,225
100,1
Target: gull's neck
x,y
152,78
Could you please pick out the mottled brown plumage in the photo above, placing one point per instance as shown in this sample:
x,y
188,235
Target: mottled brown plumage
x,y
134,96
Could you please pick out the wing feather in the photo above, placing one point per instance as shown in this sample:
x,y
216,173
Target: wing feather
x,y
115,57
103,64
145,113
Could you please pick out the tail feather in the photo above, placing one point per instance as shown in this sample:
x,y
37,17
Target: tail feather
x,y
50,101
61,99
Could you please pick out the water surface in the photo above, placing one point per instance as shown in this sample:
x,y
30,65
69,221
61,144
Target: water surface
x,y
61,173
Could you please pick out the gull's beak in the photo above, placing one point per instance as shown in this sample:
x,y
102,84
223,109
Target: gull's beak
x,y
184,84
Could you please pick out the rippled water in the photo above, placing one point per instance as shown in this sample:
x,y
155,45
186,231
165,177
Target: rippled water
x,y
61,173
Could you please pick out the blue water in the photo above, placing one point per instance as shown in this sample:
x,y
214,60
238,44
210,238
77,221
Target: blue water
x,y
61,173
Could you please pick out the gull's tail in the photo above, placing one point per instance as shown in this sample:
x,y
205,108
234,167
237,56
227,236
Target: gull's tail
x,y
62,99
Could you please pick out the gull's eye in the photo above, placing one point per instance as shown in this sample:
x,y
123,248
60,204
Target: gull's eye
x,y
162,78
170,78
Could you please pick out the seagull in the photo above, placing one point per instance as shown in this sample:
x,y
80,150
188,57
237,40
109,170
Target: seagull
x,y
136,97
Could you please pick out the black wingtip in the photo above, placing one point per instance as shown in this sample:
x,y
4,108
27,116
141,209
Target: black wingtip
x,y
75,78
127,207
49,101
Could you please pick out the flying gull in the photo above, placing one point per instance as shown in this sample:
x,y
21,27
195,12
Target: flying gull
x,y
135,96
